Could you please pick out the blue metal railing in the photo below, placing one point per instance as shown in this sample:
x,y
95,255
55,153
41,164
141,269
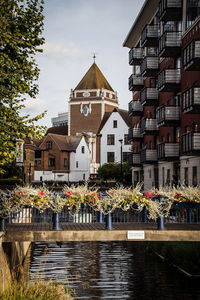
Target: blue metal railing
x,y
180,213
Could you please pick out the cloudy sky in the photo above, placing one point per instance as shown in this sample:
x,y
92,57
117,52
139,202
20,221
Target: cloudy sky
x,y
74,30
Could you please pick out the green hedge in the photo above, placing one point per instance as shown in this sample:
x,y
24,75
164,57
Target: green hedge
x,y
11,181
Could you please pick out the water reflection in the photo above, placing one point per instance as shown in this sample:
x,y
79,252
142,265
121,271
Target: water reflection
x,y
114,270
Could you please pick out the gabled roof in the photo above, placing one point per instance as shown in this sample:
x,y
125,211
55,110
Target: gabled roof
x,y
63,130
93,79
123,113
65,143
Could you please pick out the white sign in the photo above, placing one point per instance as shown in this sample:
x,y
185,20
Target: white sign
x,y
135,235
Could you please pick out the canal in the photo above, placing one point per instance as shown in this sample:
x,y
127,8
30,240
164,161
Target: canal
x,y
111,270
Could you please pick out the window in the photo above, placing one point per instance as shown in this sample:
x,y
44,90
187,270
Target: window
x,y
126,141
65,162
51,162
110,139
195,127
83,149
39,162
178,135
49,145
38,153
110,157
114,123
83,176
76,164
125,156
194,176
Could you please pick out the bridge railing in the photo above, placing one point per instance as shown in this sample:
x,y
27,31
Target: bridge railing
x,y
180,213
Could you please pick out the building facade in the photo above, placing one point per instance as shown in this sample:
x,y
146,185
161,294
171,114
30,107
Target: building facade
x,y
88,103
60,120
62,158
165,83
114,144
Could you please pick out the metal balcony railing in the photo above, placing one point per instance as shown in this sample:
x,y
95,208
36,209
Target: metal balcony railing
x,y
135,56
191,143
170,10
148,126
136,83
166,115
135,108
170,44
149,36
136,133
191,99
148,155
149,96
168,151
169,80
150,66
191,56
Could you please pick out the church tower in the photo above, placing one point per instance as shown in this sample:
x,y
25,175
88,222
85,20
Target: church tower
x,y
88,102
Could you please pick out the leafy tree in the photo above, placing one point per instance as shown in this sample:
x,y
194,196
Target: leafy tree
x,y
21,25
113,171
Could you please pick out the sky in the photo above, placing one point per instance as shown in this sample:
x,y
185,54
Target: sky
x,y
74,30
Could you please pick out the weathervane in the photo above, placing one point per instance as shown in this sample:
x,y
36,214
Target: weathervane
x,y
94,56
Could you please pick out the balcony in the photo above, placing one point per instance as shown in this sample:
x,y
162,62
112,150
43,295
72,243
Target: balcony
x,y
135,56
191,143
150,66
168,116
149,96
168,151
136,83
170,44
169,80
191,56
134,134
134,160
170,10
149,36
191,101
148,156
135,108
148,126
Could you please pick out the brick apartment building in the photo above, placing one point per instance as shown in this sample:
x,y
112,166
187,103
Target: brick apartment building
x,y
164,54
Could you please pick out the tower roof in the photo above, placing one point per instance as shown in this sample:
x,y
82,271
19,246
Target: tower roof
x,y
93,79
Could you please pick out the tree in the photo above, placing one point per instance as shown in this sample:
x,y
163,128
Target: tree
x,y
113,171
21,25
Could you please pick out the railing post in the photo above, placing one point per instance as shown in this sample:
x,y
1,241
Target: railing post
x,y
189,215
99,217
2,224
109,221
144,215
56,221
160,223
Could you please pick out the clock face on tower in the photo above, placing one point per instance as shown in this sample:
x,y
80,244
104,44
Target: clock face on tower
x,y
85,111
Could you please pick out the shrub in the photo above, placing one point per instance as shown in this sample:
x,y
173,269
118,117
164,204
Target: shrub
x,y
11,181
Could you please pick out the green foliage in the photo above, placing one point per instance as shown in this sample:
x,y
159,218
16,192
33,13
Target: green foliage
x,y
38,290
20,36
11,181
113,171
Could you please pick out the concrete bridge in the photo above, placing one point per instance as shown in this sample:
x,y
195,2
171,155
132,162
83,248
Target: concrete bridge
x,y
97,232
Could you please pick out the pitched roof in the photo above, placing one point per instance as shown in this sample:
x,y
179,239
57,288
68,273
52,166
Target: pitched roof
x,y
66,143
63,130
93,79
123,113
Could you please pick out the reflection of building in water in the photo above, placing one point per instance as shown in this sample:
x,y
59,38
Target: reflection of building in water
x,y
164,54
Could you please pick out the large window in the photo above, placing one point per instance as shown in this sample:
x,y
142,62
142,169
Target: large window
x,y
125,156
110,139
126,141
51,162
49,145
110,157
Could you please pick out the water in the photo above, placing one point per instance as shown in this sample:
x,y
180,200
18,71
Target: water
x,y
111,270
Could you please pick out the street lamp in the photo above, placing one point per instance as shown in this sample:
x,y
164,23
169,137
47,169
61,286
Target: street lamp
x,y
121,174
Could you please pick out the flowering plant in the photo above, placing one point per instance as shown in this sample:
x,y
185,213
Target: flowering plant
x,y
32,197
